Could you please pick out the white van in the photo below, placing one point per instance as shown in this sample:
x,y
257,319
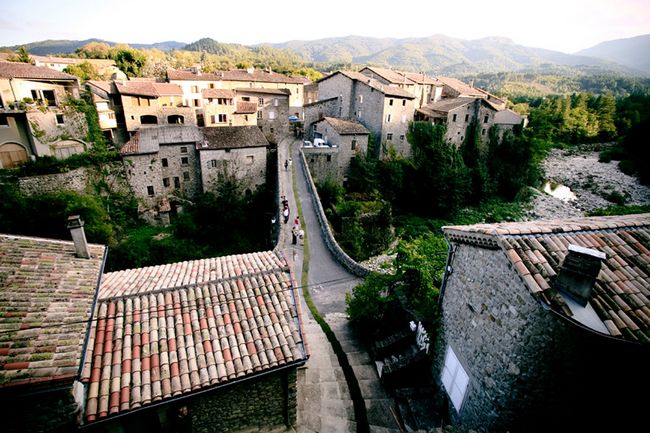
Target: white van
x,y
319,142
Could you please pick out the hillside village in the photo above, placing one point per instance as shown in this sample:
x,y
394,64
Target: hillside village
x,y
529,310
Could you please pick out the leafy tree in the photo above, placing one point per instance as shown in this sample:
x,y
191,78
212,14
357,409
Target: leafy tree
x,y
439,182
606,112
86,71
21,56
130,61
94,50
474,157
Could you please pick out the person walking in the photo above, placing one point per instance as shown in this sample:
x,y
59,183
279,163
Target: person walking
x,y
285,214
294,235
286,165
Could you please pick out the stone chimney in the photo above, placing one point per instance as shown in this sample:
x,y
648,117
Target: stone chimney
x,y
76,226
578,273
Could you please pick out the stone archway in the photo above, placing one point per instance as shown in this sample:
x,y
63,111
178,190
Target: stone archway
x,y
65,148
12,155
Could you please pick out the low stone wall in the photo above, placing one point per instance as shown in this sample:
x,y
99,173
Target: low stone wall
x,y
75,180
338,253
79,180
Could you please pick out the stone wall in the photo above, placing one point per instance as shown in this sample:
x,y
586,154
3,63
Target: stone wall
x,y
529,369
80,180
247,164
398,112
338,253
50,411
317,110
256,405
48,131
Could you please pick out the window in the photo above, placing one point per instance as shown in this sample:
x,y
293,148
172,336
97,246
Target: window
x,y
177,182
403,118
401,137
359,115
166,182
175,119
186,175
389,136
453,119
246,117
360,99
390,102
213,119
4,120
275,102
195,89
486,118
260,101
48,95
454,379
148,119
483,131
183,149
466,117
59,119
388,118
354,144
223,118
35,96
185,161
329,158
272,130
213,163
246,98
165,163
404,103
150,191
197,103
259,114
271,115
211,85
250,159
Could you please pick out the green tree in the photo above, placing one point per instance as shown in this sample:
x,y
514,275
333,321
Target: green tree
x,y
84,70
474,157
130,61
22,56
94,50
606,112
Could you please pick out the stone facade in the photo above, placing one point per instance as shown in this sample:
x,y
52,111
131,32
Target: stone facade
x,y
247,164
273,111
137,107
529,369
53,411
80,180
58,132
317,110
258,405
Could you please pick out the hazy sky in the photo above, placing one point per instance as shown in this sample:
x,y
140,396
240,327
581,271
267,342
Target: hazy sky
x,y
562,25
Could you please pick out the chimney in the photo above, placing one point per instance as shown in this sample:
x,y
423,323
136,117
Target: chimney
x,y
76,226
578,273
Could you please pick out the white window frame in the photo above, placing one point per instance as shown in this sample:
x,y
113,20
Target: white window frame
x,y
271,115
454,378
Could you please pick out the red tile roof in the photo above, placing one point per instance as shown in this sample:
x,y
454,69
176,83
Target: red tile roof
x,y
246,107
394,77
147,88
46,300
282,92
462,88
218,93
384,88
170,330
346,126
27,71
536,249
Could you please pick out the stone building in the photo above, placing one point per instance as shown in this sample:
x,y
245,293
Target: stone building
x,y
47,293
208,345
545,324
148,104
343,140
162,165
424,88
272,110
237,151
223,108
109,110
385,110
35,117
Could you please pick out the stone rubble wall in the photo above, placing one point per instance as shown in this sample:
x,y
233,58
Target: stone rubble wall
x,y
338,253
79,180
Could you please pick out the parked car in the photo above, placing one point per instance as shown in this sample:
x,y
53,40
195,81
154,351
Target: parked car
x,y
319,142
307,143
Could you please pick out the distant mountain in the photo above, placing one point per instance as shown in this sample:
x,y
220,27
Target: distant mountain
x,y
44,48
440,54
631,52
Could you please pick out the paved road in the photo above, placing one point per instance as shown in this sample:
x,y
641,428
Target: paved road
x,y
324,403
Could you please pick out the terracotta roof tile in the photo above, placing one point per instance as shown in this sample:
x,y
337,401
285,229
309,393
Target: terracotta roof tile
x,y
229,317
30,72
46,299
536,249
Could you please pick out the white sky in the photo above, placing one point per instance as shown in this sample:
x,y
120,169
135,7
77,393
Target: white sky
x,y
562,25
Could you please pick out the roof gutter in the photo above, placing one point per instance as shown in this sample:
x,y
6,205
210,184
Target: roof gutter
x,y
171,400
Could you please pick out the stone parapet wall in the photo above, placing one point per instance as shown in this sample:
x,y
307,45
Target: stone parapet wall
x,y
79,180
338,253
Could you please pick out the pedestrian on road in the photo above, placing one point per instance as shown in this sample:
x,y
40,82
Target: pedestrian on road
x,y
285,202
296,222
286,165
285,214
294,236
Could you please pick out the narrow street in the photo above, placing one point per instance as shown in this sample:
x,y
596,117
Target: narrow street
x,y
324,403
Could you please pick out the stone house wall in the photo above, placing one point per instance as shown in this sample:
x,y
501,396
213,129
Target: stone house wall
x,y
56,129
529,369
186,172
398,112
323,164
145,171
275,117
258,405
53,411
457,129
248,164
133,112
80,180
317,110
